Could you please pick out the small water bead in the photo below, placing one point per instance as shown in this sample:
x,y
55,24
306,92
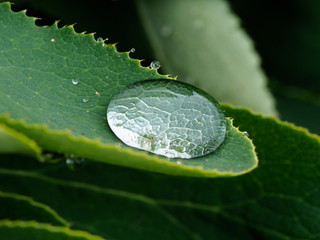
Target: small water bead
x,y
75,163
167,117
100,39
74,81
132,50
52,40
155,65
246,134
85,100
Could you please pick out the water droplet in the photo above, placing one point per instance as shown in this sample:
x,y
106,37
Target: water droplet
x,y
74,163
74,81
107,76
132,50
85,100
97,93
155,65
99,39
52,40
246,134
167,117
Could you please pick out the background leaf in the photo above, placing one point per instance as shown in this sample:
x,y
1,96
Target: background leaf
x,y
202,42
32,230
56,85
18,207
288,45
278,200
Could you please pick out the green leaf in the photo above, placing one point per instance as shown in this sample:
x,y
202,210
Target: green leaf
x,y
18,207
15,142
38,231
278,200
56,85
202,42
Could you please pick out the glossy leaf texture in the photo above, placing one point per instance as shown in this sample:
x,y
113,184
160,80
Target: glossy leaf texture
x,y
55,86
203,43
278,200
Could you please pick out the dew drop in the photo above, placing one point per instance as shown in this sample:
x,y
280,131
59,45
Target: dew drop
x,y
132,50
52,40
167,117
85,100
74,81
155,65
246,134
99,39
74,163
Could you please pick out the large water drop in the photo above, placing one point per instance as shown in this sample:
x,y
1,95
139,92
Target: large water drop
x,y
167,117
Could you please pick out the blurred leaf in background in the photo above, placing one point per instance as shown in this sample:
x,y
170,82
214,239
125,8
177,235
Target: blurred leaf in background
x,y
287,35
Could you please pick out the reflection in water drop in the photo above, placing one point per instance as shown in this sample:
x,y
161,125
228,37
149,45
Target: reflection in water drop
x,y
167,117
155,65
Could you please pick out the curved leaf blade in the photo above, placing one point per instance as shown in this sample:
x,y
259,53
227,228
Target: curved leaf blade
x,y
56,85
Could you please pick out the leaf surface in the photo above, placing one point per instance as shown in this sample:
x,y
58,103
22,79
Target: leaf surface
x,y
279,200
55,88
202,42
